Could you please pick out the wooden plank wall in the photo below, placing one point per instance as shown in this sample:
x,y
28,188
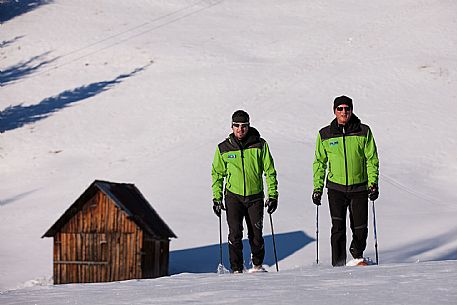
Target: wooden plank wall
x,y
98,244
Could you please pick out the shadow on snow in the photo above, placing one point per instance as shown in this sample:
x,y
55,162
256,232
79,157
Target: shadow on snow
x,y
15,198
420,250
10,9
17,116
22,69
6,43
206,259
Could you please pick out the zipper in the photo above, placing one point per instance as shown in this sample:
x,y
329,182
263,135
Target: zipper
x,y
242,165
345,157
244,174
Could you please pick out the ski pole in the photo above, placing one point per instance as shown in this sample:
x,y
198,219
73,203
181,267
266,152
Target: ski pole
x,y
375,235
317,234
274,244
220,239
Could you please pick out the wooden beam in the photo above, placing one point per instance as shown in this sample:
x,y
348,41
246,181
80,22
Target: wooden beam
x,y
81,262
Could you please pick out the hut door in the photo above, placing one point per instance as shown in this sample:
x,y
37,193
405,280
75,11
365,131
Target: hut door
x,y
82,258
154,258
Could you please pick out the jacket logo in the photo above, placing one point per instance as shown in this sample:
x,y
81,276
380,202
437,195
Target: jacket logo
x,y
333,143
231,156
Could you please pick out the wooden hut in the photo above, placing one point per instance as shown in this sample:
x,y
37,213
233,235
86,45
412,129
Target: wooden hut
x,y
110,233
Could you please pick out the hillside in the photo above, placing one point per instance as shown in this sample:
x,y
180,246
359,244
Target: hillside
x,y
142,92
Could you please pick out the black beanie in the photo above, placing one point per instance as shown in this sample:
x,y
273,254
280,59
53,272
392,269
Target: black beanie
x,y
240,116
341,100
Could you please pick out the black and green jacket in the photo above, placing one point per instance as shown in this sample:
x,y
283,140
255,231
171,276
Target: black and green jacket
x,y
350,152
242,165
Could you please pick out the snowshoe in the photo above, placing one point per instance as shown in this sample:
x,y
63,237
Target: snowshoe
x,y
221,269
257,268
364,261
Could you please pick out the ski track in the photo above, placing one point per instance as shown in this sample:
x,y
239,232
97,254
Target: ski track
x,y
134,32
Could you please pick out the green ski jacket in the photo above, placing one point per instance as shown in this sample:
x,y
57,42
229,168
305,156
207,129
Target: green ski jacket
x,y
242,165
351,155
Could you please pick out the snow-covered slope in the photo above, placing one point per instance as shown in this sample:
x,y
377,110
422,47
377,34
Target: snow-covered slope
x,y
424,283
142,91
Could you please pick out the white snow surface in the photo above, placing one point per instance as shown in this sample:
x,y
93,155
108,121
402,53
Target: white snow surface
x,y
142,92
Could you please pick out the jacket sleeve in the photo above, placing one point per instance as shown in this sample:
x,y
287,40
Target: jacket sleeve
x,y
218,173
270,172
319,165
371,155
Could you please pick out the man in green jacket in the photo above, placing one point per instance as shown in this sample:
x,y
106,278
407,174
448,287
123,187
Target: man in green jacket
x,y
347,151
241,160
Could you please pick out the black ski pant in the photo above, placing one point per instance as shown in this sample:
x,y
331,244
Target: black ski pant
x,y
251,209
357,204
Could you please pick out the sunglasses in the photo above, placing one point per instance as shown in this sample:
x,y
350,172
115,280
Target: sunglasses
x,y
340,108
240,125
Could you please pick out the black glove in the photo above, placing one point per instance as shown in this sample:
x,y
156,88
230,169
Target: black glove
x,y
271,204
317,197
373,192
218,206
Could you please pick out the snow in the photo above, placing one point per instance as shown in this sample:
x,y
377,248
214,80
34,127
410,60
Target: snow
x,y
142,91
425,283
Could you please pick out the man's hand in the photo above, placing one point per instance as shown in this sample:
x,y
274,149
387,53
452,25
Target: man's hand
x,y
218,206
373,192
317,196
271,204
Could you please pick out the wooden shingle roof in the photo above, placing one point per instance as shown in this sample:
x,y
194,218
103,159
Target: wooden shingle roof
x,y
129,199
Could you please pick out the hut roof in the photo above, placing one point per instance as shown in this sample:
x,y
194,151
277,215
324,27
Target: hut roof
x,y
129,199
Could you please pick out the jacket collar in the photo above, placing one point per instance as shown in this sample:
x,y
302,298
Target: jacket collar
x,y
352,126
252,137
